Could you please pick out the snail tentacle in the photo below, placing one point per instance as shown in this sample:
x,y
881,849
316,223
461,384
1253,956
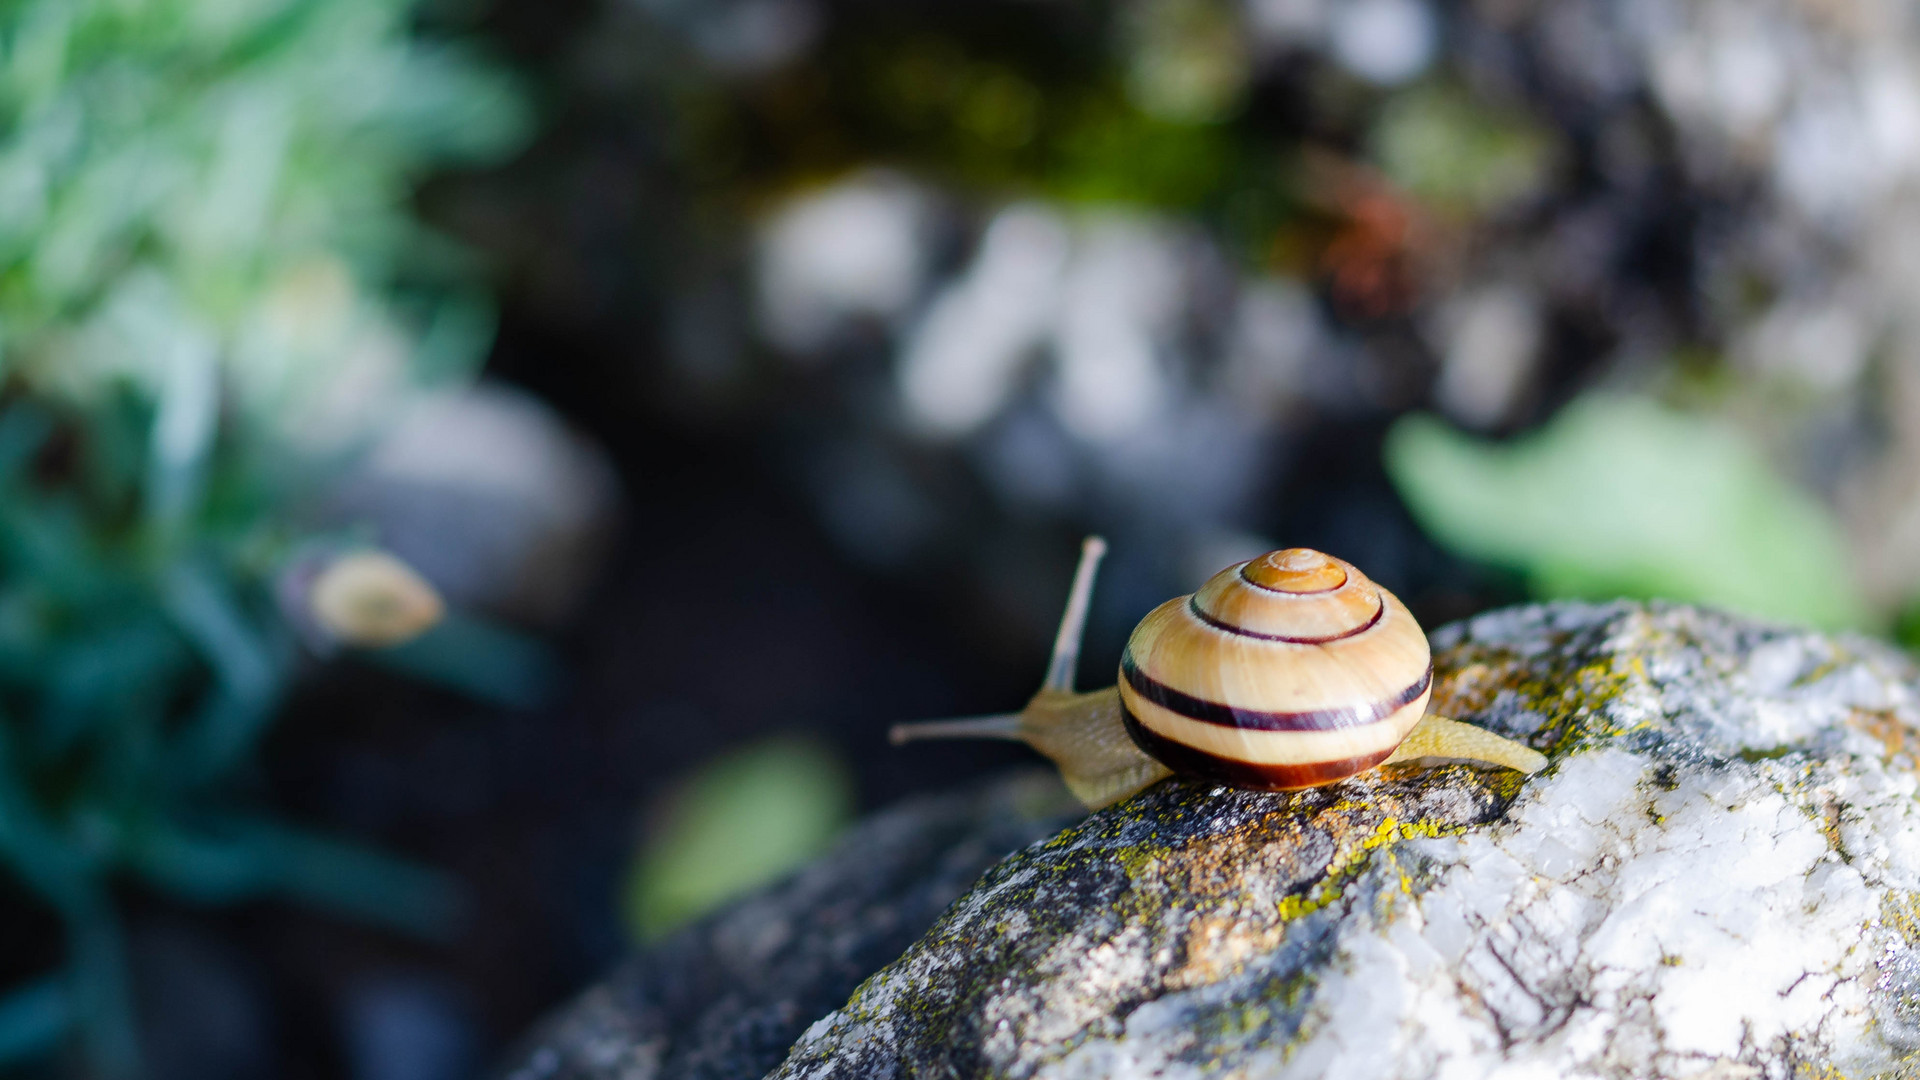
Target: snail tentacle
x,y
1060,669
997,726
1073,621
1081,733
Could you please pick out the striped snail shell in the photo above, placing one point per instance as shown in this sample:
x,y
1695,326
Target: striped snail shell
x,y
1287,671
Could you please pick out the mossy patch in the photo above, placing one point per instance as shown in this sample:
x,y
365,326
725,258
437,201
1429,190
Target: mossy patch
x,y
1218,877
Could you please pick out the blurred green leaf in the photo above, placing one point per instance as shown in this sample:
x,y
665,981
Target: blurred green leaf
x,y
233,858
481,659
737,823
248,677
1906,625
1622,497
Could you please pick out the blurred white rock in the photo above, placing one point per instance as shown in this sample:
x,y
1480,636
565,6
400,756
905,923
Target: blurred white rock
x,y
849,250
492,498
1711,182
1123,292
1275,331
1384,41
1278,24
1489,342
959,364
1820,346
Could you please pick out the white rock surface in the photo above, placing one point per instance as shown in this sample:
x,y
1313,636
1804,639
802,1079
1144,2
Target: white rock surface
x,y
1716,878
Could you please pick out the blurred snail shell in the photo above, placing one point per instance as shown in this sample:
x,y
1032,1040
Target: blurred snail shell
x,y
1287,671
372,600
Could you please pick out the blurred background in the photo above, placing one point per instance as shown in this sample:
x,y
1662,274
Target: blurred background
x,y
478,477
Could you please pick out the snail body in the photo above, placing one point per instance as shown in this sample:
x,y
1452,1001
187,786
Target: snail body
x,y
1287,671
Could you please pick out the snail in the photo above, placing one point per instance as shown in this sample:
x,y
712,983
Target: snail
x,y
1287,671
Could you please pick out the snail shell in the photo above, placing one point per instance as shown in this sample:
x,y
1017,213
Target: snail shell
x,y
373,600
1287,671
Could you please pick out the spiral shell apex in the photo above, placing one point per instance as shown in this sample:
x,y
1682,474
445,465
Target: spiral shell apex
x,y
1287,671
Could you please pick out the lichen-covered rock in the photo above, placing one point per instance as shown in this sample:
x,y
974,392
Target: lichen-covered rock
x,y
1719,875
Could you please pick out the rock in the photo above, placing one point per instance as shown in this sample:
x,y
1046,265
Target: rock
x,y
728,995
401,1025
1719,875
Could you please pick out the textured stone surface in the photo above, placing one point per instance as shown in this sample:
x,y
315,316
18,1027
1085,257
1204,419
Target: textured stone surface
x,y
1718,876
727,996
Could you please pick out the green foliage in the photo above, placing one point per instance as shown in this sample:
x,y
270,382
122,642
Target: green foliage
x,y
1622,497
1187,60
1109,152
1906,626
993,124
210,292
481,660
1456,154
738,822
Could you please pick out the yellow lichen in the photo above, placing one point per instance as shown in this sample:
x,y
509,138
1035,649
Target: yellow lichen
x,y
1900,913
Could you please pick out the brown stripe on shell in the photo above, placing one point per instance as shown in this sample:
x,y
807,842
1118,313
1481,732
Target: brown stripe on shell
x,y
1187,761
1213,712
1248,575
1193,605
1302,606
